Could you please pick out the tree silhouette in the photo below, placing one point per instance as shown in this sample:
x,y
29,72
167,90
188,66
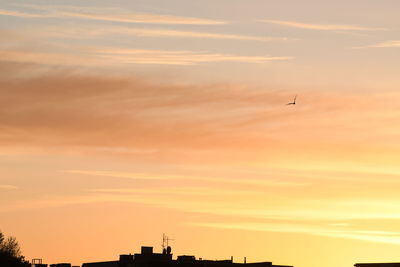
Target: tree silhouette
x,y
10,252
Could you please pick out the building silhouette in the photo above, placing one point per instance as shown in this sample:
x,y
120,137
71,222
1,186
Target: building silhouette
x,y
39,263
387,264
147,258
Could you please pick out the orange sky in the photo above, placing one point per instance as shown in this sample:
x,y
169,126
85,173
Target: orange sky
x,y
123,121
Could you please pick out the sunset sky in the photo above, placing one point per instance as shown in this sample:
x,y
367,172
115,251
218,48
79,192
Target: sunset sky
x,y
123,120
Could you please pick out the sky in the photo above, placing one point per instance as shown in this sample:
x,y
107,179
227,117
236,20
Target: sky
x,y
124,120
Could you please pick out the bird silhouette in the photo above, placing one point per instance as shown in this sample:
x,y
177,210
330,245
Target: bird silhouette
x,y
294,101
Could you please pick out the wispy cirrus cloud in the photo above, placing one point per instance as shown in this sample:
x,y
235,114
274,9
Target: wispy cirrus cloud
x,y
178,191
321,27
107,14
142,18
86,31
214,206
307,210
7,187
208,179
394,43
115,56
147,32
128,175
90,32
386,44
142,56
193,34
389,237
15,13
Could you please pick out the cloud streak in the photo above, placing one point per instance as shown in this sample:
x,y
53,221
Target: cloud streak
x,y
14,13
86,32
207,179
142,18
163,57
386,44
7,187
213,203
114,57
108,14
321,27
143,32
371,236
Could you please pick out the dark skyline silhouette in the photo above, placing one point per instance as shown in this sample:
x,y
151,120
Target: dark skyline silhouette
x,y
148,258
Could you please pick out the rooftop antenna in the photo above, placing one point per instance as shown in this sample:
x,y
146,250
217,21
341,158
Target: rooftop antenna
x,y
165,241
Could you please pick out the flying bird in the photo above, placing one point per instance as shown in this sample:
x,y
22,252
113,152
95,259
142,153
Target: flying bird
x,y
294,101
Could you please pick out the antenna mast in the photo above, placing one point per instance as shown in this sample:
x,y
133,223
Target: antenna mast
x,y
165,241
